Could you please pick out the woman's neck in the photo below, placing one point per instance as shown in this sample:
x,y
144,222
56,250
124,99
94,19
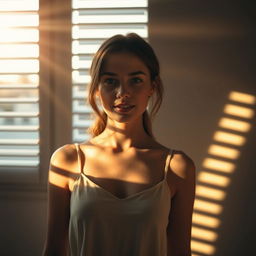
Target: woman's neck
x,y
123,136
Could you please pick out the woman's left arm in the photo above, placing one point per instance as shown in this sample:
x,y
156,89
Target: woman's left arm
x,y
182,179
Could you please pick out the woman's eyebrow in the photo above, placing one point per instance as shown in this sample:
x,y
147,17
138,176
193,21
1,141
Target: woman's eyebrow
x,y
108,74
136,73
130,74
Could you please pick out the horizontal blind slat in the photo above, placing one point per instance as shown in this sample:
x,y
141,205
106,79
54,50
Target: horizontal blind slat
x,y
19,142
19,114
18,128
22,163
19,100
21,152
19,5
76,4
18,87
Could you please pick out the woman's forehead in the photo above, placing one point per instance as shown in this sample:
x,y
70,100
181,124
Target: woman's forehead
x,y
123,62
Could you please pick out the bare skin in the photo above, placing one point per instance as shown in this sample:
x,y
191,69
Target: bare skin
x,y
123,159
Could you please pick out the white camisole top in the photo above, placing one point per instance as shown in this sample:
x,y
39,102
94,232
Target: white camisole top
x,y
102,224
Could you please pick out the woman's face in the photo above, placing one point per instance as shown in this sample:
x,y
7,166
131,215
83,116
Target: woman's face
x,y
124,88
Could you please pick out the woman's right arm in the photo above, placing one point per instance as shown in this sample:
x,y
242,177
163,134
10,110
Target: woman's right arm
x,y
63,166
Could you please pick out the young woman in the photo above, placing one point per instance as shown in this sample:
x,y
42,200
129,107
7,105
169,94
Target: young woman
x,y
121,193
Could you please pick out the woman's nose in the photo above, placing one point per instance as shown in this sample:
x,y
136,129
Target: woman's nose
x,y
122,91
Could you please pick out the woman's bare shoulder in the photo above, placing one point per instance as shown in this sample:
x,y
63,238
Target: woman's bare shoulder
x,y
64,165
65,155
182,165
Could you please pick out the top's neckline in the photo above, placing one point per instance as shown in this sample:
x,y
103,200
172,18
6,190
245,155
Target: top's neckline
x,y
167,163
163,181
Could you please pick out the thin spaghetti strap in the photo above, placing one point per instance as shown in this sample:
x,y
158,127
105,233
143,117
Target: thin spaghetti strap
x,y
167,163
78,156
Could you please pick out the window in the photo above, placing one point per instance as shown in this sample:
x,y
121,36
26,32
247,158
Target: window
x,y
19,85
45,55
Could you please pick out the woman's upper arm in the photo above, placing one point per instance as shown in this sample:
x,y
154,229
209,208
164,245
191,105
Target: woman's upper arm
x,y
180,218
62,165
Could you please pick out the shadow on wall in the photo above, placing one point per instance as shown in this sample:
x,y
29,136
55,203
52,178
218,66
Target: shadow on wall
x,y
218,168
207,54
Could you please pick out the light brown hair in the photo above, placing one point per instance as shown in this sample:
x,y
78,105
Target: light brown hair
x,y
134,44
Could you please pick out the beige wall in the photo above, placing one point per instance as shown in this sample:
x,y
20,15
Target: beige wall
x,y
206,51
22,223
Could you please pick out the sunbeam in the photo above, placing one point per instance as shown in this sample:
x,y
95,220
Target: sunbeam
x,y
218,168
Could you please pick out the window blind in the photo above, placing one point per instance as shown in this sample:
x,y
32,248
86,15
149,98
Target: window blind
x,y
93,21
19,83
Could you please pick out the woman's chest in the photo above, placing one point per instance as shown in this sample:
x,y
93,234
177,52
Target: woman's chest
x,y
124,175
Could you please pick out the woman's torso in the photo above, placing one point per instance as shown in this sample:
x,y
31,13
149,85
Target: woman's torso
x,y
120,202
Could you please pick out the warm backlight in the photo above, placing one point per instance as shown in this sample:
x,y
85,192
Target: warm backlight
x,y
19,66
202,247
57,179
203,234
204,220
242,98
14,5
19,50
235,125
222,151
218,165
238,111
213,179
205,206
211,193
230,138
22,19
12,35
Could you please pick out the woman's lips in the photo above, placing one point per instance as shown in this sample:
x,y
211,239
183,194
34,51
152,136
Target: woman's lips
x,y
123,108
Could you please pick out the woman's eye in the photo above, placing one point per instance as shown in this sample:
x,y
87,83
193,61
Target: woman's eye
x,y
137,80
110,81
